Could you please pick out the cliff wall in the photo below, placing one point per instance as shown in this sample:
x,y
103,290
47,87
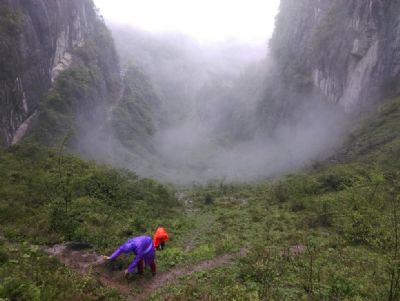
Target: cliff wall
x,y
349,50
38,40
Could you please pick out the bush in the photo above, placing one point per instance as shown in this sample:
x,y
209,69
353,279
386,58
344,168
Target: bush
x,y
298,205
360,229
208,199
341,177
264,267
3,256
63,222
19,289
295,187
340,288
323,217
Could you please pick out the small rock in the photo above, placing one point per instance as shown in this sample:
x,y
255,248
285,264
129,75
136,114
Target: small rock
x,y
297,250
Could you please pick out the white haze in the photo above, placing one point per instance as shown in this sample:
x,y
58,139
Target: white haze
x,y
212,94
194,151
205,20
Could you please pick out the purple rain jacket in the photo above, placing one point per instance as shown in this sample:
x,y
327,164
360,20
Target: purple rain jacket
x,y
143,248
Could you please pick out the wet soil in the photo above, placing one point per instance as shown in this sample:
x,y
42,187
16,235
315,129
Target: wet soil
x,y
80,257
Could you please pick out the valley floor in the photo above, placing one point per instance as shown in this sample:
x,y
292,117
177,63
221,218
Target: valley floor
x,y
328,233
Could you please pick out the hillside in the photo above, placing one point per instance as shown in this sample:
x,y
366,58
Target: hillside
x,y
285,172
71,84
323,234
39,41
347,50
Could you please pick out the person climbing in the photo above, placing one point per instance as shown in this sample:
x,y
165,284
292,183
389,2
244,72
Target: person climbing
x,y
142,247
160,237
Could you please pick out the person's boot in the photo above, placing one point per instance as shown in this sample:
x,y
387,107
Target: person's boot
x,y
153,269
140,268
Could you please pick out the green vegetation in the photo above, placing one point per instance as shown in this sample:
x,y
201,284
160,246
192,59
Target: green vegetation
x,y
99,55
376,140
59,108
342,217
27,273
328,233
133,116
61,197
82,92
47,197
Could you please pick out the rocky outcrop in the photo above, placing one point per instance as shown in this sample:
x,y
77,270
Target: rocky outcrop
x,y
348,50
38,40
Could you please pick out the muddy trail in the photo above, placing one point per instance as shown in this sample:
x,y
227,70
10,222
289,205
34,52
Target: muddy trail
x,y
82,259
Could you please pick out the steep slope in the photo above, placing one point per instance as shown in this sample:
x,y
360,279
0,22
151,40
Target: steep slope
x,y
377,140
336,219
135,119
328,233
180,66
347,50
173,62
38,41
47,197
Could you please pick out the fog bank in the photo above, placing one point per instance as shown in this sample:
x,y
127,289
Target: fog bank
x,y
191,113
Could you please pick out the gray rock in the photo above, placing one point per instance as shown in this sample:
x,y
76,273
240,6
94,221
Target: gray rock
x,y
38,40
349,49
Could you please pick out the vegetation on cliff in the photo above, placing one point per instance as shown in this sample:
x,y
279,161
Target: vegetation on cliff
x,y
134,116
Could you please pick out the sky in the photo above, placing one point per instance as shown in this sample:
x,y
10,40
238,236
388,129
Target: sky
x,y
204,20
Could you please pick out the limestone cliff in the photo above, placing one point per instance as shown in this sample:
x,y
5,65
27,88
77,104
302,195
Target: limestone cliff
x,y
348,50
38,40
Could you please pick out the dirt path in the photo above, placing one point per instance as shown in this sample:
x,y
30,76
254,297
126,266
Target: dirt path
x,y
137,288
76,256
149,286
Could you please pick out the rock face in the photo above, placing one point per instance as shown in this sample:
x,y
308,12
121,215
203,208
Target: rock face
x,y
38,40
348,50
134,119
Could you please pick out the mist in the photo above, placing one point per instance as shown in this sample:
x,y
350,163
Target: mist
x,y
193,154
191,111
207,21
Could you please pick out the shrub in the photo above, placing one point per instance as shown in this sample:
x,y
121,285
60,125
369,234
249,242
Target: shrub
x,y
340,288
298,205
3,256
19,289
208,199
341,177
360,229
62,221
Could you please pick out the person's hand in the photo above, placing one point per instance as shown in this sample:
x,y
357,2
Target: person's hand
x,y
126,273
106,257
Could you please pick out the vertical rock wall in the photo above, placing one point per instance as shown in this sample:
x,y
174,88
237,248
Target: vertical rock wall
x,y
38,40
348,49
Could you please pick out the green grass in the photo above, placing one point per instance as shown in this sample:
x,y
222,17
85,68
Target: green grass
x,y
343,214
48,198
27,273
344,233
132,118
